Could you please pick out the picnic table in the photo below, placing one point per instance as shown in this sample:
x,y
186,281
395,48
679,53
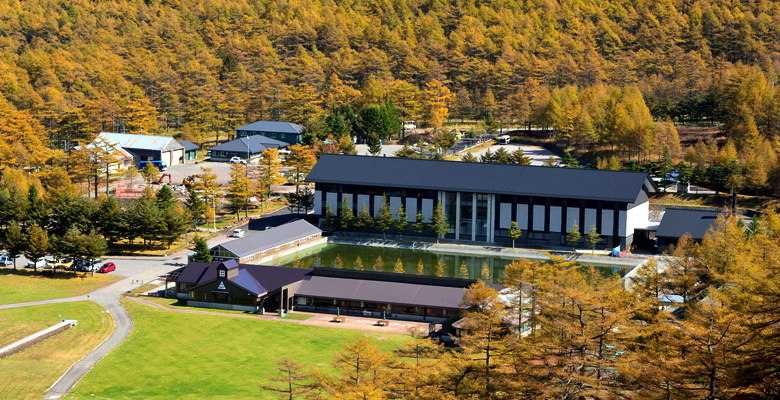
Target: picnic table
x,y
338,319
383,322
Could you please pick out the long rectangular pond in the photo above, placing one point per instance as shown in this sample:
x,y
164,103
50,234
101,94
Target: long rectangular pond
x,y
326,255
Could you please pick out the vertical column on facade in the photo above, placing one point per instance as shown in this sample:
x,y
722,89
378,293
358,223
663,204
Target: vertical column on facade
x,y
457,215
442,201
473,217
490,218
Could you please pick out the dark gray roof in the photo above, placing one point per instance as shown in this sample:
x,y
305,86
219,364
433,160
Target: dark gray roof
x,y
188,146
196,272
272,126
589,184
270,238
677,222
381,292
258,279
252,144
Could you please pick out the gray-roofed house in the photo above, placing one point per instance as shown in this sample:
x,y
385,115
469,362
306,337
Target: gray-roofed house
x,y
190,150
245,147
480,200
147,147
284,131
260,288
676,222
293,235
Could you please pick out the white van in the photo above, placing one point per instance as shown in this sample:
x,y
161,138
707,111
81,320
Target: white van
x,y
505,139
238,232
37,264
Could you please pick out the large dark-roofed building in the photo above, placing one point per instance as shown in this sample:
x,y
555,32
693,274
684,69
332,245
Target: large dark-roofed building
x,y
229,285
284,131
245,147
480,200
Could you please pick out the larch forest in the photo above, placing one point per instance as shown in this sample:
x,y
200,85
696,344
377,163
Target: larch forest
x,y
613,83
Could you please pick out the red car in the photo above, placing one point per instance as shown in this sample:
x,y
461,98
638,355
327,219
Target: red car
x,y
107,267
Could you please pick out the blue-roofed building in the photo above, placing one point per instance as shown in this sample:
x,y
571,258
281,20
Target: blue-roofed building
x,y
284,131
147,147
481,200
245,148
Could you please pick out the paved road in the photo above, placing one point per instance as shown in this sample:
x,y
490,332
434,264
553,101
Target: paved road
x,y
137,271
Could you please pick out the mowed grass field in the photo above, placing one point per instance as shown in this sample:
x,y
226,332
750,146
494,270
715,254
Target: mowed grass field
x,y
172,355
27,374
22,285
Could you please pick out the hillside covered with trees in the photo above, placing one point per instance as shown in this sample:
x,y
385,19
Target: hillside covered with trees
x,y
606,75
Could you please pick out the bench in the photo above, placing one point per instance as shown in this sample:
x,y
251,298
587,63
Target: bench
x,y
382,322
338,319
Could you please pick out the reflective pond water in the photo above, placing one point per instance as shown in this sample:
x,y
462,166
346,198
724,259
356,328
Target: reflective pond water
x,y
326,255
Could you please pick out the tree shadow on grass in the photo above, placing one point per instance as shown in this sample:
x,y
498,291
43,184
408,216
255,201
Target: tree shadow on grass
x,y
59,274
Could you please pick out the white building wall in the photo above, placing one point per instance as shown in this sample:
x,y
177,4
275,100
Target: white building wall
x,y
395,202
505,217
411,209
522,216
165,157
538,218
175,156
427,209
607,221
590,219
555,219
622,226
637,217
318,203
572,214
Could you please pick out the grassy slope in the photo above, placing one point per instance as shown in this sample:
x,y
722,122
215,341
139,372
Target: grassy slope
x,y
26,285
190,356
719,201
27,375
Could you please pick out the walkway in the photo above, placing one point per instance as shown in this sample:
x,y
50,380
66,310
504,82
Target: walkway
x,y
351,322
123,325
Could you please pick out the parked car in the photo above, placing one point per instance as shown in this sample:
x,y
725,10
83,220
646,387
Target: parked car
x,y
88,266
37,264
238,232
107,267
6,260
237,160
65,263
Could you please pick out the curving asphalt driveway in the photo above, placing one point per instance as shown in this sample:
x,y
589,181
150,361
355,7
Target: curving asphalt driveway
x,y
137,271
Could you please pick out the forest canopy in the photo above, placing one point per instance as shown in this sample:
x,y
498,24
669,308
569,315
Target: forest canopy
x,y
71,69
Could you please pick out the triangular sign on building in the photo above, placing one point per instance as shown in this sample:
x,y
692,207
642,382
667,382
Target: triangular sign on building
x,y
221,286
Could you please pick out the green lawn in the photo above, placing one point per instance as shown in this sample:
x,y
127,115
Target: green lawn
x,y
193,356
27,374
25,285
